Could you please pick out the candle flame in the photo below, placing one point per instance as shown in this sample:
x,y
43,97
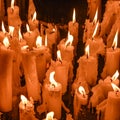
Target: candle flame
x,y
20,35
95,31
39,41
69,40
28,28
115,88
34,16
95,17
24,47
59,55
24,99
74,16
52,80
87,50
12,4
11,30
114,45
50,116
115,76
82,90
6,42
53,29
46,40
3,27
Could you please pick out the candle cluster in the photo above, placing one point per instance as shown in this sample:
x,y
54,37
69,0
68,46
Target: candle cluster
x,y
39,64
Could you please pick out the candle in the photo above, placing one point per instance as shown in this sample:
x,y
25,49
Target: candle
x,y
13,16
96,43
92,6
30,37
112,56
30,71
113,106
80,98
53,96
73,28
66,48
26,109
88,68
33,23
61,68
6,58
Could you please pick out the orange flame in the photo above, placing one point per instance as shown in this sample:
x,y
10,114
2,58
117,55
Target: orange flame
x,y
82,90
39,41
115,88
6,42
87,51
115,76
74,16
46,40
95,17
59,55
95,31
52,80
3,27
11,30
50,116
12,4
34,16
69,40
114,45
20,35
24,99
28,28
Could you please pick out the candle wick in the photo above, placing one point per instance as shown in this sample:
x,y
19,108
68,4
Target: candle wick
x,y
12,10
87,56
53,85
113,48
116,92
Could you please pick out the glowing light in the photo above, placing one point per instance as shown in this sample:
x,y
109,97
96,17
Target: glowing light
x,y
87,51
39,41
3,27
52,80
82,90
74,16
59,55
11,30
69,40
12,4
34,16
6,42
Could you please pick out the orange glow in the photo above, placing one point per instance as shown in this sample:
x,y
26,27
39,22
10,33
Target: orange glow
x,y
82,90
95,17
115,76
52,80
6,42
34,16
46,40
74,16
115,88
114,45
24,99
11,30
20,35
12,4
49,116
95,31
3,27
39,41
69,40
59,55
87,51
28,28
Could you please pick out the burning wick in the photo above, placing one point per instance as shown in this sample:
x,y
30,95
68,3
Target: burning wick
x,y
59,56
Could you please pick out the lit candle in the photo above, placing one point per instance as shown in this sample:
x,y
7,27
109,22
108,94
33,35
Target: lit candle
x,y
80,98
73,28
61,68
26,109
6,63
66,48
113,106
53,96
50,116
13,15
88,68
30,71
96,43
112,56
30,37
91,28
33,23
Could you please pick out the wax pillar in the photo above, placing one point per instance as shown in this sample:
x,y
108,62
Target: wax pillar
x,y
6,62
30,71
113,106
